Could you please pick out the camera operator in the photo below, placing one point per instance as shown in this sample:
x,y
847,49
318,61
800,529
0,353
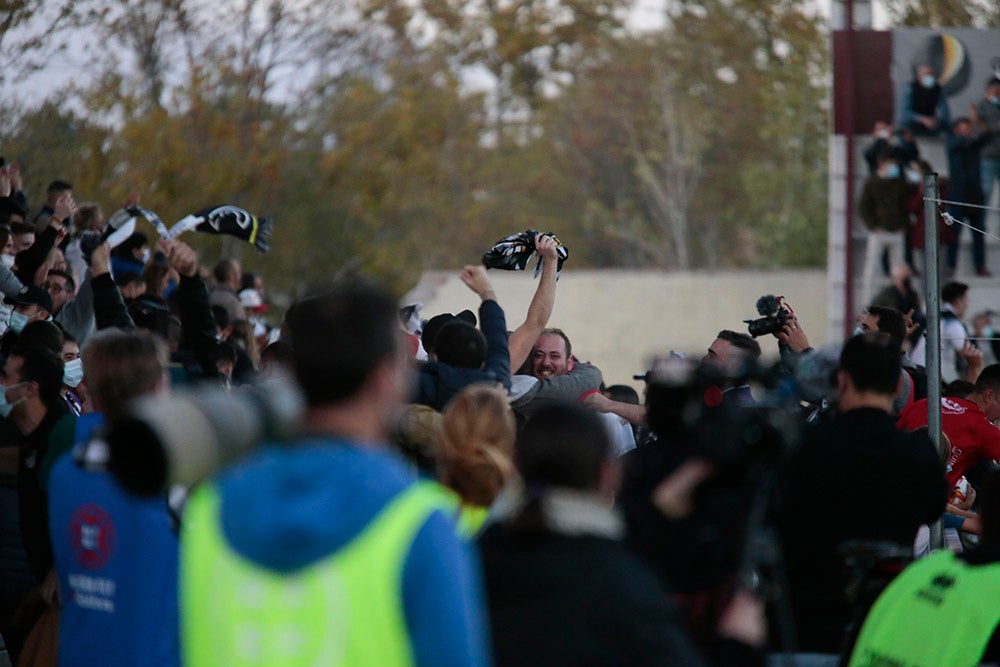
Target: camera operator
x,y
729,352
687,490
854,478
324,550
561,586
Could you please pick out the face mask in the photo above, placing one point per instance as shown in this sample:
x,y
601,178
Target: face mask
x,y
883,134
73,373
912,176
928,81
6,407
988,332
7,260
146,254
892,171
17,321
994,99
857,331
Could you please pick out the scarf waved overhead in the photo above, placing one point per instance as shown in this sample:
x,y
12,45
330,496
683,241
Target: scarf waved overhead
x,y
228,220
511,253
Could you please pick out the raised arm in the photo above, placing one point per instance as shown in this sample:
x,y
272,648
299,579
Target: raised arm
x,y
494,327
109,309
540,310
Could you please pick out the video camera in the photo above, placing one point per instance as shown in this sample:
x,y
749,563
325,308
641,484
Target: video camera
x,y
185,437
775,312
687,401
694,417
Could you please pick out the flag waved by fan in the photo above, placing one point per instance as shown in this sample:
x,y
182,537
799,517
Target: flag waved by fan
x,y
228,220
512,253
152,218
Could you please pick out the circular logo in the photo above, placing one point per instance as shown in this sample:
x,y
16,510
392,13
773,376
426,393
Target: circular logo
x,y
92,536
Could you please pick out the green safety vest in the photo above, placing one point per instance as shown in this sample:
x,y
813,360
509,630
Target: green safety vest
x,y
346,609
940,612
470,520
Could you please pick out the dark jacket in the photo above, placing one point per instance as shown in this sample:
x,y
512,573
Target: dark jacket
x,y
577,598
33,501
855,478
964,167
109,305
437,382
197,326
883,204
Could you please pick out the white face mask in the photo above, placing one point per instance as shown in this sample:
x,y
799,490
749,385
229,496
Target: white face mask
x,y
857,331
18,321
5,407
73,373
7,260
146,254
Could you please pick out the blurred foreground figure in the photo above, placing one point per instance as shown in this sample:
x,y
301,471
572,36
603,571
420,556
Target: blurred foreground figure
x,y
563,589
324,551
115,553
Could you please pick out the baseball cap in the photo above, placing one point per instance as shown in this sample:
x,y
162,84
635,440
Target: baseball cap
x,y
435,324
32,295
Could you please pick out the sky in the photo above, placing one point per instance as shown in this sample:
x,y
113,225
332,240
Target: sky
x,y
69,66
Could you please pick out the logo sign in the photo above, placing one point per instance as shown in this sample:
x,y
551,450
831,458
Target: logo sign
x,y
92,536
217,218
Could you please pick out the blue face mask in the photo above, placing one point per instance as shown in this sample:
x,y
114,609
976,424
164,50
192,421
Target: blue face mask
x,y
892,171
17,321
73,373
994,99
6,407
912,176
928,81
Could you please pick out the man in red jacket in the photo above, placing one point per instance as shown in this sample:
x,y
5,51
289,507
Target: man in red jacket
x,y
966,422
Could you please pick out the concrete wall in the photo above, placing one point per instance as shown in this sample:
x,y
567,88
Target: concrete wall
x,y
620,319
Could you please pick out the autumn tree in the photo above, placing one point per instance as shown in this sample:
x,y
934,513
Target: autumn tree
x,y
944,13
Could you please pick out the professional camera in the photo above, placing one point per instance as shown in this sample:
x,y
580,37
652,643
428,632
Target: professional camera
x,y
185,437
775,314
686,402
724,536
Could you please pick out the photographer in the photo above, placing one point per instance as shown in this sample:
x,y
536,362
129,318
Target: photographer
x,y
331,528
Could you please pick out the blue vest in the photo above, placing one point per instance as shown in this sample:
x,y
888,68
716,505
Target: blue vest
x,y
116,556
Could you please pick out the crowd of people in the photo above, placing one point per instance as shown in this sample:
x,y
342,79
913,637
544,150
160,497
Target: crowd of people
x,y
467,489
891,204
